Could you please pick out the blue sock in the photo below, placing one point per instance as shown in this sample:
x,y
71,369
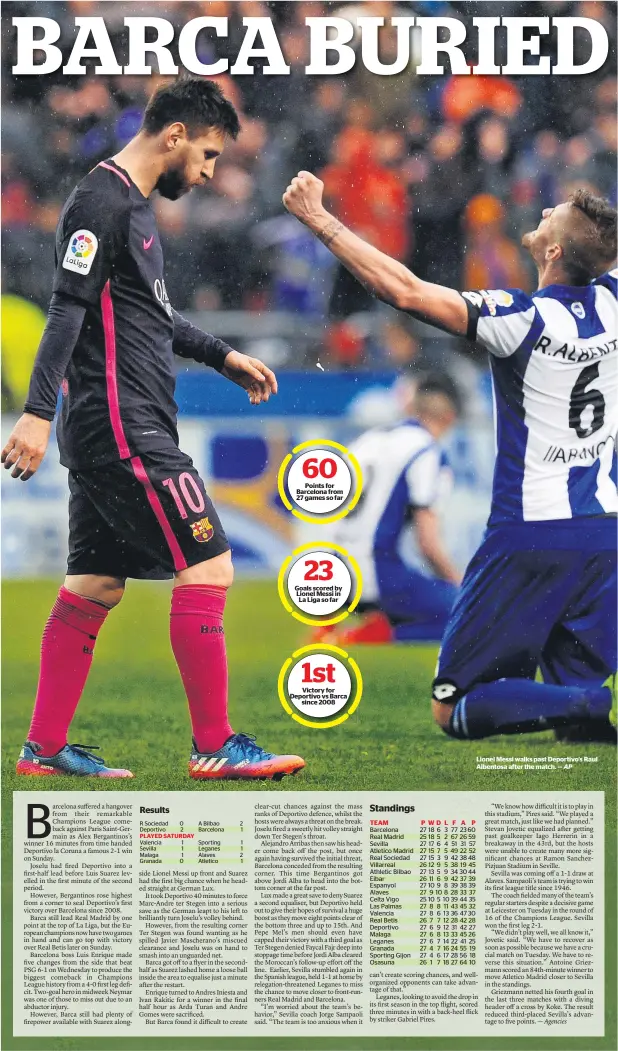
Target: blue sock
x,y
510,706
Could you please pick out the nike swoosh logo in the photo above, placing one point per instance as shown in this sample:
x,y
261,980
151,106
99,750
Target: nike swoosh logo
x,y
147,244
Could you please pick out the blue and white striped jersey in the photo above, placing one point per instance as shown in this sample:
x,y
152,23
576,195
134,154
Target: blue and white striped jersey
x,y
403,468
554,364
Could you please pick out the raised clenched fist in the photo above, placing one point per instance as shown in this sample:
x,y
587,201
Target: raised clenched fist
x,y
303,197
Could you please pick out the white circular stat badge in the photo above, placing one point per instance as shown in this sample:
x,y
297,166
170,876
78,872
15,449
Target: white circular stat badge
x,y
319,685
319,481
319,583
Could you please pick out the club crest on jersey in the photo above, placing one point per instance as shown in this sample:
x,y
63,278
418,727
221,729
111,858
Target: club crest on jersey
x,y
203,531
578,309
80,253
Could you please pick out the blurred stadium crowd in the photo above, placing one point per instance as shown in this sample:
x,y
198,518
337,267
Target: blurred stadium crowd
x,y
444,173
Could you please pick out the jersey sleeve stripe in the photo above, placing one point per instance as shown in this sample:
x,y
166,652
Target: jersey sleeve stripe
x,y
534,333
607,309
609,281
109,168
503,335
421,474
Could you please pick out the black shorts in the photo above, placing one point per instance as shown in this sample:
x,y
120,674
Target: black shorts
x,y
148,517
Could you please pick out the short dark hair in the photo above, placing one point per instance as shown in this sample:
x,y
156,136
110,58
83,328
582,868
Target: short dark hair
x,y
591,248
194,101
439,383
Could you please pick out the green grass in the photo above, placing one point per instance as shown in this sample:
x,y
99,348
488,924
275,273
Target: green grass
x,y
134,706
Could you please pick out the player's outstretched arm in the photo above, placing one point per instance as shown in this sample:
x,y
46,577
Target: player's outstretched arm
x,y
388,279
427,529
249,373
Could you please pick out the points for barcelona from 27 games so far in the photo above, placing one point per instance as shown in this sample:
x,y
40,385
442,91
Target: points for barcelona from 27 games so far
x,y
320,481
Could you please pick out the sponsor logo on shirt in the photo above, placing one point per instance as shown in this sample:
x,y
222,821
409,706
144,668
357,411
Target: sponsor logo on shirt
x,y
578,310
586,454
161,296
81,251
502,298
203,531
494,298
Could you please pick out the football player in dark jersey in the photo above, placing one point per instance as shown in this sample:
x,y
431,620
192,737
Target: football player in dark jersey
x,y
138,507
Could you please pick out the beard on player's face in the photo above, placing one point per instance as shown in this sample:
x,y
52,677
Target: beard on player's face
x,y
535,240
173,183
534,246
530,238
547,232
530,241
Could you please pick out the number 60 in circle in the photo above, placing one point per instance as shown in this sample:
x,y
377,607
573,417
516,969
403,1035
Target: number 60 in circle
x,y
320,481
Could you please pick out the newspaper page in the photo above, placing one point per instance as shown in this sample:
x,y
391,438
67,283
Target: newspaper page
x,y
309,916
309,386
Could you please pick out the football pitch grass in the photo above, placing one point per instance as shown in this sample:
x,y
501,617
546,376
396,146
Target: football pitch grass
x,y
134,708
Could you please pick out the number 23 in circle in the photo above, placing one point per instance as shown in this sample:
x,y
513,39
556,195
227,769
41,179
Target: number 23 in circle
x,y
320,584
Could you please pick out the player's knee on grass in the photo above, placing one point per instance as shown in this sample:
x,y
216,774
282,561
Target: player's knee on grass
x,y
442,714
444,697
106,590
216,572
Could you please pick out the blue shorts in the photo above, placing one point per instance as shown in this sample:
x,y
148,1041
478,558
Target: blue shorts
x,y
550,604
418,606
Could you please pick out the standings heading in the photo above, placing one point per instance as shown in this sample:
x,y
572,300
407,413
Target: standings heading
x,y
431,46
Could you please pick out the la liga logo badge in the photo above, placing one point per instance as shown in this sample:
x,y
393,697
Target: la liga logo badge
x,y
82,245
203,531
81,252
